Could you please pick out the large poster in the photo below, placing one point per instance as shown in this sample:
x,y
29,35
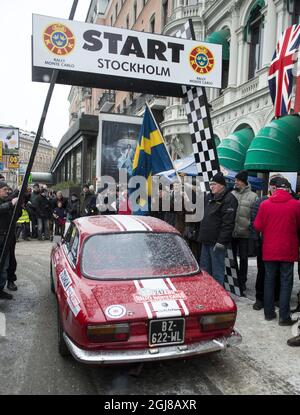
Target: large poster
x,y
119,142
10,140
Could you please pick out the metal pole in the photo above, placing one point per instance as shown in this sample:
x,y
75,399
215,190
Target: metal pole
x,y
17,208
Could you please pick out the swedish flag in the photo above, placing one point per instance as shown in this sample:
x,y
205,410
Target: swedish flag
x,y
151,156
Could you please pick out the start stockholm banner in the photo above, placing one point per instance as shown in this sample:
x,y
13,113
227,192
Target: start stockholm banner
x,y
104,56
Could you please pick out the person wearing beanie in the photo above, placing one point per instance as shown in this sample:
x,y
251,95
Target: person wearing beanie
x,y
216,227
6,210
241,233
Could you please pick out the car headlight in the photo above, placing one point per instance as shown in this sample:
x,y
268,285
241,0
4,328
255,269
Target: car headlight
x,y
211,322
108,333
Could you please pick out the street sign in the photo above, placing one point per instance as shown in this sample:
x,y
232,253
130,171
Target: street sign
x,y
13,162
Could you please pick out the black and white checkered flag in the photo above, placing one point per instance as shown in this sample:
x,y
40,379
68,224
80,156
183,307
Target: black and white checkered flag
x,y
205,151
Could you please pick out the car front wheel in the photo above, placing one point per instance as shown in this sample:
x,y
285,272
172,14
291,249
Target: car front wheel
x,y
62,347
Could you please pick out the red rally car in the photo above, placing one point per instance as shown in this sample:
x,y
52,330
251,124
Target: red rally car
x,y
129,289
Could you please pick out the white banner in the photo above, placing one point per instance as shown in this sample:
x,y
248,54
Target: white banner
x,y
104,50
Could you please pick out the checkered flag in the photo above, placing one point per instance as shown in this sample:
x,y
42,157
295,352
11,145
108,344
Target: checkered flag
x,y
205,151
231,282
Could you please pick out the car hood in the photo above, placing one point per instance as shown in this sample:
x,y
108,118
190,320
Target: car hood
x,y
161,297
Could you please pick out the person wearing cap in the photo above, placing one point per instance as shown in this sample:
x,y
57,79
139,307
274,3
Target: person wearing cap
x,y
241,233
278,219
256,236
216,227
6,212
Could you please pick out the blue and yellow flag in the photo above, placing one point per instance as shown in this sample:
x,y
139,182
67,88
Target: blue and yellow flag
x,y
151,156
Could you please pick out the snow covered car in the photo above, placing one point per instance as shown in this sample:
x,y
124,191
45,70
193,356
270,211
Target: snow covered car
x,y
129,289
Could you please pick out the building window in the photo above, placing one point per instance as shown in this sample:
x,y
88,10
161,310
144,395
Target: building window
x,y
127,22
117,9
254,31
293,7
152,24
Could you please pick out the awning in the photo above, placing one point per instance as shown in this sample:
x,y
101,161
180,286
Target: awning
x,y
232,150
276,146
220,38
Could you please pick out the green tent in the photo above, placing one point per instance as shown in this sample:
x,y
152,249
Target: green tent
x,y
276,146
232,150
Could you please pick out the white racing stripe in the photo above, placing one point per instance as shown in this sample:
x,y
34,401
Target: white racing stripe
x,y
146,305
183,305
116,223
131,224
144,223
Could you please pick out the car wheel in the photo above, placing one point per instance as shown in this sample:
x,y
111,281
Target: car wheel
x,y
52,287
62,347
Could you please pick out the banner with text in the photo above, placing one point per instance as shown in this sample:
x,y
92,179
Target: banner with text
x,y
110,55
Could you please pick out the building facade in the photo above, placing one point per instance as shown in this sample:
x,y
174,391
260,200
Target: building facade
x,y
44,157
248,31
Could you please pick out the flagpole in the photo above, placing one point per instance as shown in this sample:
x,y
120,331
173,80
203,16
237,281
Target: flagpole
x,y
158,128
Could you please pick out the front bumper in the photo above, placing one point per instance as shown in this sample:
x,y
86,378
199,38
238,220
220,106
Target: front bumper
x,y
103,357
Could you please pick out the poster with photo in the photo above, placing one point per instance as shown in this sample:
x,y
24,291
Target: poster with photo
x,y
119,141
10,140
291,177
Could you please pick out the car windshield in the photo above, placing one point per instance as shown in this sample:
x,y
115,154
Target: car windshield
x,y
136,255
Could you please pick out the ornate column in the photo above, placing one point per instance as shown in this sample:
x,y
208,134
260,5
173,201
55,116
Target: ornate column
x,y
233,47
269,41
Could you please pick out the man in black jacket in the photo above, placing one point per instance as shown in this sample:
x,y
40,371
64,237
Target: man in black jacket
x,y
6,212
216,228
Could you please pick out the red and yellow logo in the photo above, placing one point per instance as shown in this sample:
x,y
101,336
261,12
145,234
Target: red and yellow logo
x,y
59,39
202,60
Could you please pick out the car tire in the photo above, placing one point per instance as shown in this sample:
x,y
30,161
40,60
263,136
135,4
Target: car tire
x,y
62,347
52,287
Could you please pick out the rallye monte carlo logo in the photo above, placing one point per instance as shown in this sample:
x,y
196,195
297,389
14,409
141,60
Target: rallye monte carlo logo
x,y
59,39
202,60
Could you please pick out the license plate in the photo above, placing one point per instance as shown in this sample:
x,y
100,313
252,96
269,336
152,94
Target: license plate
x,y
164,332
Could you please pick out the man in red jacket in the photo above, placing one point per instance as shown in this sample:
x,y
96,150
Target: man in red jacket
x,y
278,220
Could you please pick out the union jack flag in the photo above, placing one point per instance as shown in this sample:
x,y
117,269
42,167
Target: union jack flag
x,y
281,70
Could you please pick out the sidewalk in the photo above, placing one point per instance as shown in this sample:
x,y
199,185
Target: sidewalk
x,y
265,341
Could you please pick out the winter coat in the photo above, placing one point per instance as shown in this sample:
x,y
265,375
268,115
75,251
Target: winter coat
x,y
6,212
278,219
253,213
219,218
33,201
43,207
88,204
73,209
246,199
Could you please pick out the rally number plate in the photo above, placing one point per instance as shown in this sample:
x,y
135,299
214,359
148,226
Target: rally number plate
x,y
164,332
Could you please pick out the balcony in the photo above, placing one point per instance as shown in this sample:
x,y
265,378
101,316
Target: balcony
x,y
155,102
107,101
185,12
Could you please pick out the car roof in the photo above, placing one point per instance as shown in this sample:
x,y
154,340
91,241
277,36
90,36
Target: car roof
x,y
121,223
